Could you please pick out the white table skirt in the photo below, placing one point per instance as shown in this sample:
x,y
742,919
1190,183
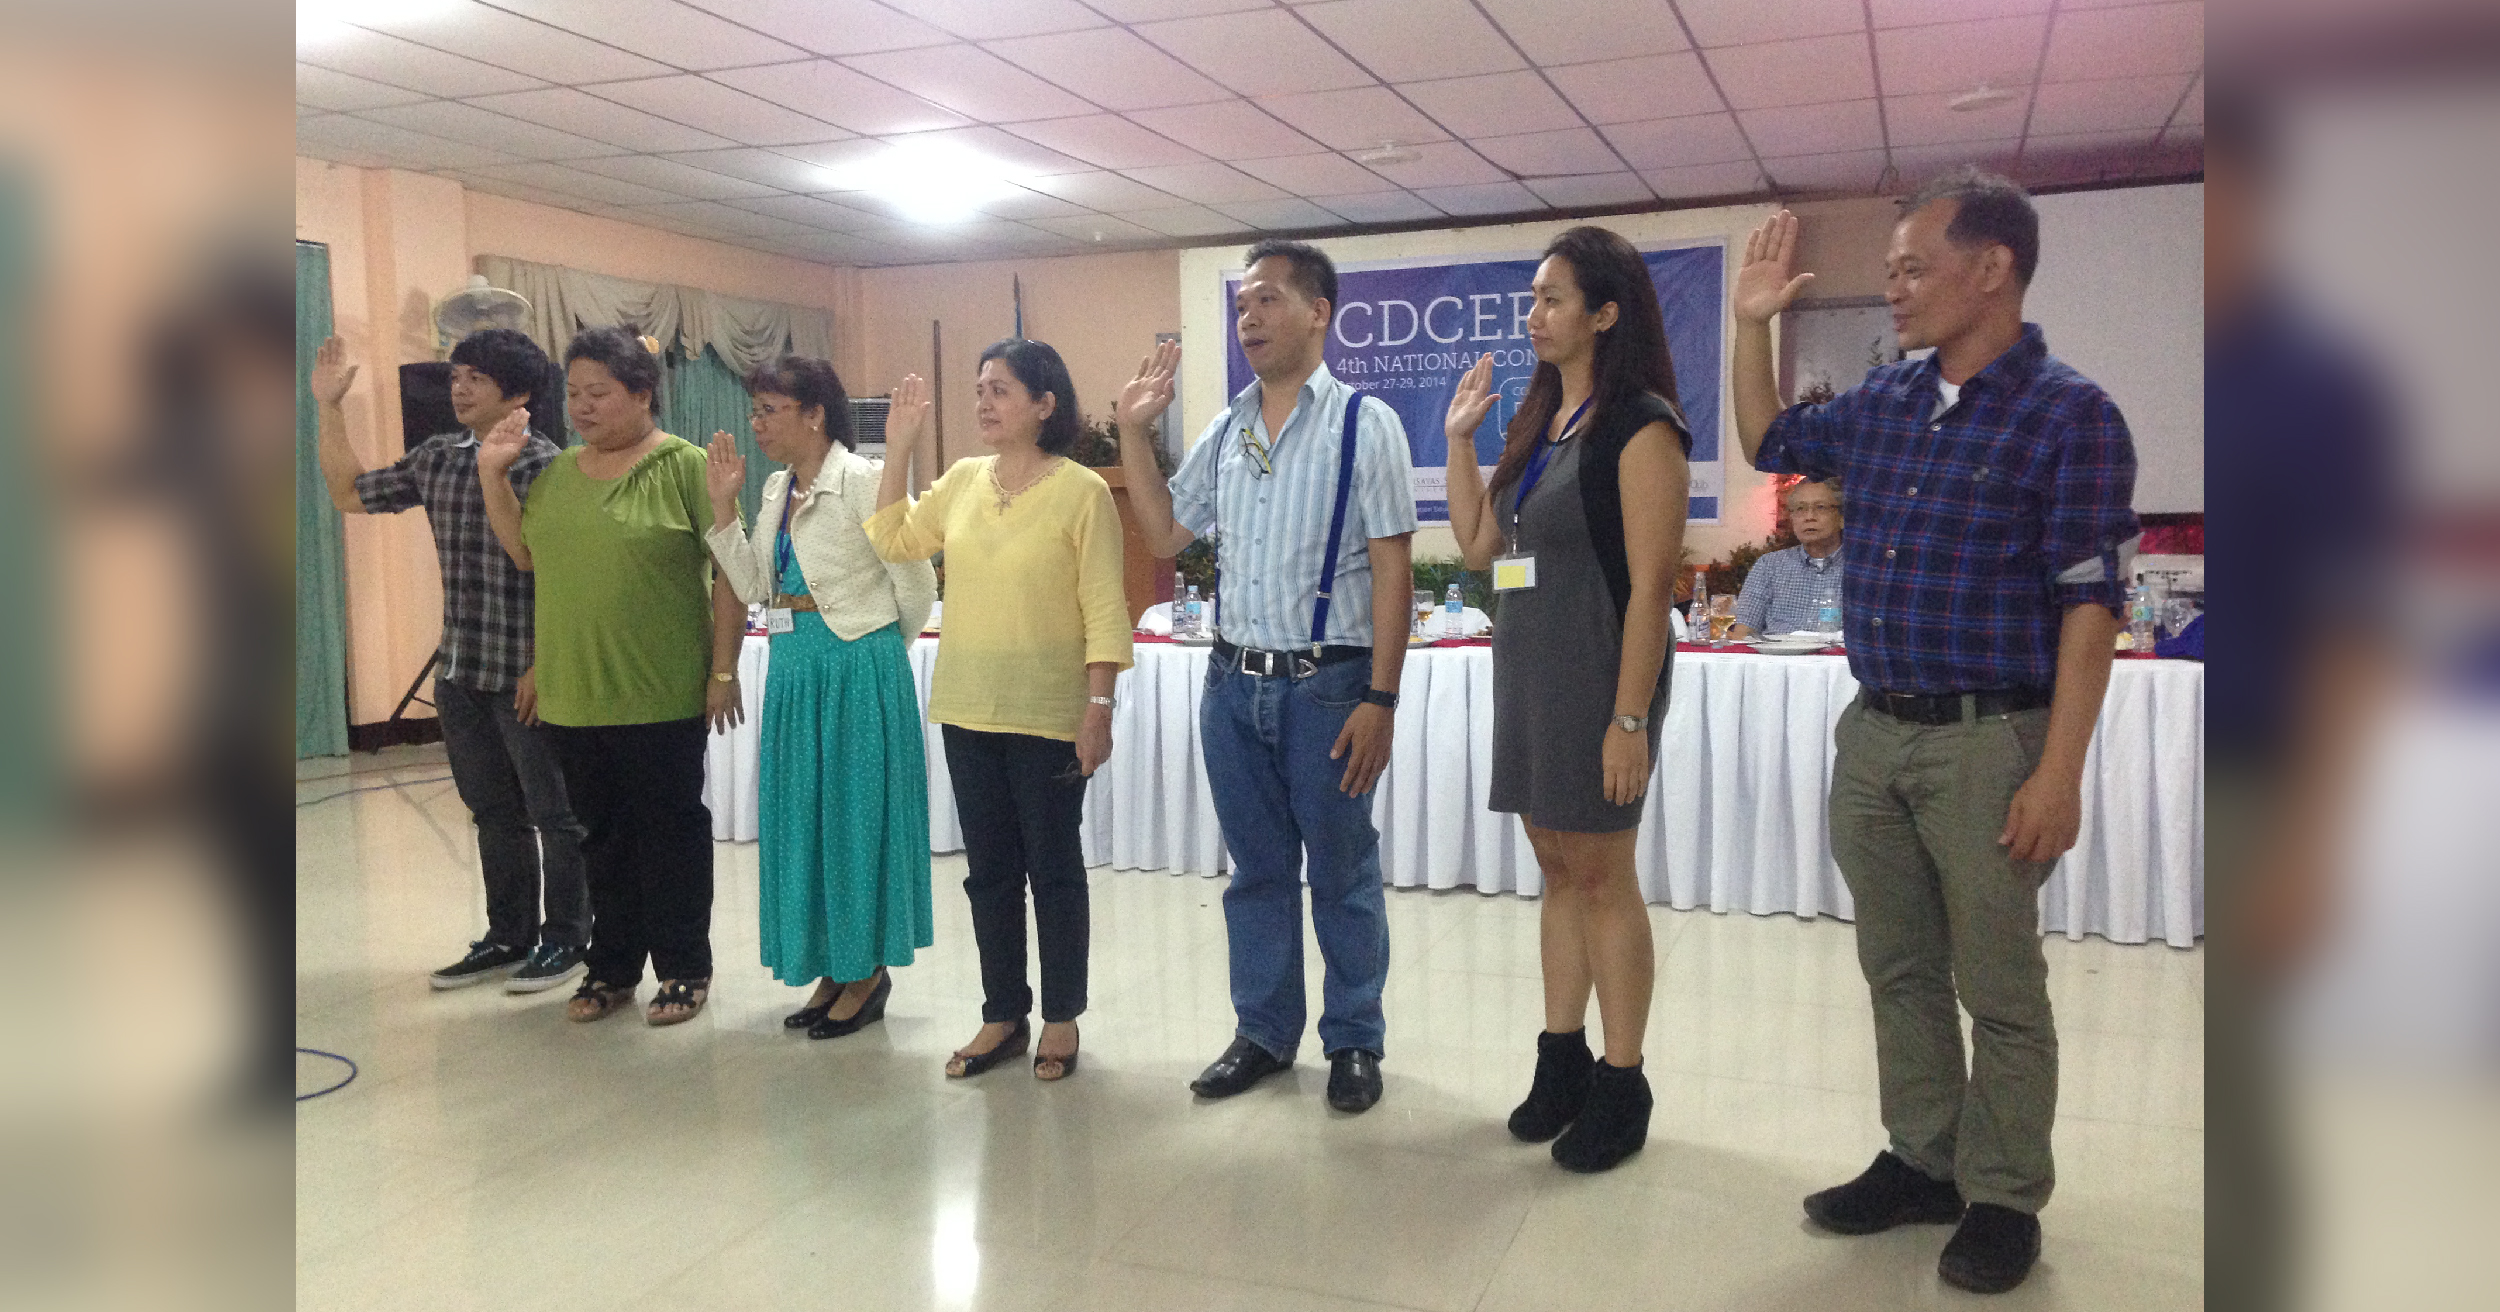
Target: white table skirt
x,y
1735,817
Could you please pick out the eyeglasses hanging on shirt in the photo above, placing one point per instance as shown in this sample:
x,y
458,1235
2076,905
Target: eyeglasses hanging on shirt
x,y
1262,454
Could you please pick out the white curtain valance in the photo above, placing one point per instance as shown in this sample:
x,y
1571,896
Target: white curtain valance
x,y
744,333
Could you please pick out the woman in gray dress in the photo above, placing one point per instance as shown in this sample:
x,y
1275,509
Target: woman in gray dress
x,y
1584,525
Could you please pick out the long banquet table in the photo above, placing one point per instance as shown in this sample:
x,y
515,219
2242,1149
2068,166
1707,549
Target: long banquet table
x,y
1735,819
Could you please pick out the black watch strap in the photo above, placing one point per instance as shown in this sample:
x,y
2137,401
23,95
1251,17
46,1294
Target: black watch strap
x,y
1378,698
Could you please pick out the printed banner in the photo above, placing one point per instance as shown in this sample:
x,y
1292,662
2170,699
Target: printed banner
x,y
1406,331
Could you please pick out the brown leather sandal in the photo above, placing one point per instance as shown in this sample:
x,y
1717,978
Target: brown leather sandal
x,y
594,1000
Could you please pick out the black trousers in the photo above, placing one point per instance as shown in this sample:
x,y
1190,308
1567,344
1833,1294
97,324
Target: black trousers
x,y
528,842
1020,799
638,790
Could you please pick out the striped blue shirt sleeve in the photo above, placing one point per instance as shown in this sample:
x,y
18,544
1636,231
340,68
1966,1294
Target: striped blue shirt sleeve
x,y
1193,484
1384,483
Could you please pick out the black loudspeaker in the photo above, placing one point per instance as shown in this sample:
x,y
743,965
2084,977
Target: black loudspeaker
x,y
425,403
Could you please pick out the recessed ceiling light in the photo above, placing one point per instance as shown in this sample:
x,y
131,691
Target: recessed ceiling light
x,y
1388,152
1986,97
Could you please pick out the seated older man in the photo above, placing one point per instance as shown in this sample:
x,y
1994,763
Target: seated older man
x,y
1786,589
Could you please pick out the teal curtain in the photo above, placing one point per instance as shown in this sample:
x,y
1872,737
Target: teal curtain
x,y
701,396
30,739
320,547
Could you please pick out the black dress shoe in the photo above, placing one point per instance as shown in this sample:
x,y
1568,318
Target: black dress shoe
x,y
1561,1087
869,1013
1353,1079
1242,1065
1888,1193
1613,1125
1992,1250
810,1014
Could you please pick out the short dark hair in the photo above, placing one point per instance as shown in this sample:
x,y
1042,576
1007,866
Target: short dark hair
x,y
1038,367
1313,272
1989,210
811,383
506,355
621,352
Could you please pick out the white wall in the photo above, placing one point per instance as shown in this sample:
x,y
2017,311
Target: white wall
x,y
2121,296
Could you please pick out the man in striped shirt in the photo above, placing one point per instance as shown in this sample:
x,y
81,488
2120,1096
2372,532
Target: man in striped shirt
x,y
1785,590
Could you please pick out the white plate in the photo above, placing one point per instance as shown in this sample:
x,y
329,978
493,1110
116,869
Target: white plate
x,y
1781,647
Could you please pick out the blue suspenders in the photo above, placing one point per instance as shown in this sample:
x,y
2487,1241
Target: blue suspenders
x,y
1336,524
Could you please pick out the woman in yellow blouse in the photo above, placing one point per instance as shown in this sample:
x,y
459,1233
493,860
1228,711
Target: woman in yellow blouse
x,y
1036,634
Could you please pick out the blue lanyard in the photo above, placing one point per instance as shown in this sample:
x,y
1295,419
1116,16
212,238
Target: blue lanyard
x,y
783,554
1545,452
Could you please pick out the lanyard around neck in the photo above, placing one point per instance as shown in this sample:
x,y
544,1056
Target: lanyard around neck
x,y
1545,452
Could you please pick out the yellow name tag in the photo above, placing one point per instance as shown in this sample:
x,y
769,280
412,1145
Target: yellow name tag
x,y
1514,573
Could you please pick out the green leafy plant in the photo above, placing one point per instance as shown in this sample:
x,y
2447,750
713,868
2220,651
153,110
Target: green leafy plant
x,y
1196,564
1098,447
1436,576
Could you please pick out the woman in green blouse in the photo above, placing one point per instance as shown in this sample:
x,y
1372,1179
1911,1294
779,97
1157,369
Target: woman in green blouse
x,y
630,620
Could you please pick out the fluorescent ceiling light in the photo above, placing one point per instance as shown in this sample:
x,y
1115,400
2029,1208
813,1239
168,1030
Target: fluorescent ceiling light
x,y
927,182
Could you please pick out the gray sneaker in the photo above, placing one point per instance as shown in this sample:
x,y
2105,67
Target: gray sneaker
x,y
485,961
550,964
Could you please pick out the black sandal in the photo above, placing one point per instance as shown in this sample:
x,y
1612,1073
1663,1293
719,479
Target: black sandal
x,y
596,1001
687,993
1067,1064
975,1063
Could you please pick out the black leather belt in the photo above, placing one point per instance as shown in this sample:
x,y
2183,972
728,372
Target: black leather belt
x,y
1955,707
1294,664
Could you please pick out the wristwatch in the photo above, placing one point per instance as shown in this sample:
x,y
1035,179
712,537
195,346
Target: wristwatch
x,y
1109,703
1378,698
1631,723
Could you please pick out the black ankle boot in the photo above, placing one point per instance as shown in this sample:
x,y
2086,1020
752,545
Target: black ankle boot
x,y
1561,1088
1613,1126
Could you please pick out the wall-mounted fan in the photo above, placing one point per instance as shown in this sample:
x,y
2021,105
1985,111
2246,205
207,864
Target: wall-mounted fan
x,y
473,307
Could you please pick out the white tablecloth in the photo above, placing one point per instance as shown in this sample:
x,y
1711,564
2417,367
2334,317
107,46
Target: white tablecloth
x,y
1735,817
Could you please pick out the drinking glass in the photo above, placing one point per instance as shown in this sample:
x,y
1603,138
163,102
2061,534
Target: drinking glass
x,y
1722,617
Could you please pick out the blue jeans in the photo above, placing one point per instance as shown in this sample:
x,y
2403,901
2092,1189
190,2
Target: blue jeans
x,y
1266,740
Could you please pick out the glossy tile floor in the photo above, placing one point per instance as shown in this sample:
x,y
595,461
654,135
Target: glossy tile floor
x,y
494,1155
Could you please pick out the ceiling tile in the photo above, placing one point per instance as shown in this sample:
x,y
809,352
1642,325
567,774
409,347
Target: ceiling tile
x,y
678,35
680,180
1185,221
1489,198
1627,90
1824,68
1443,164
1261,52
1313,175
1696,181
2079,155
829,27
2002,52
2192,109
840,248
2112,105
584,114
1747,22
1593,191
1227,129
1813,129
324,88
764,167
1019,203
491,186
455,121
728,218
836,155
578,182
1111,67
1014,155
1581,31
1930,120
1382,207
811,211
1498,104
1148,11
1107,141
315,139
507,40
393,145
1097,227
971,81
388,59
2132,42
1915,165
1571,151
1409,40
1356,118
1676,142
1208,184
1855,171
1281,215
1914,13
822,89
987,20
1100,191
2177,154
709,105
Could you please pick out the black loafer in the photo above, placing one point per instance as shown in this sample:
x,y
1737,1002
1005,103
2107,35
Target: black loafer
x,y
1353,1079
1242,1065
1992,1250
1888,1193
870,1012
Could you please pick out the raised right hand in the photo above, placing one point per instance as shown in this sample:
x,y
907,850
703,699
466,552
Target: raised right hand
x,y
724,470
504,443
1766,281
1468,406
332,375
908,419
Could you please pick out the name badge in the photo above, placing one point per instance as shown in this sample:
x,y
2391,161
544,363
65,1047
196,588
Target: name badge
x,y
1514,573
777,619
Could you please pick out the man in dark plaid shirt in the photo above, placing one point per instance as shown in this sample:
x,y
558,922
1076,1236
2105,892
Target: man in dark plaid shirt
x,y
501,758
1988,494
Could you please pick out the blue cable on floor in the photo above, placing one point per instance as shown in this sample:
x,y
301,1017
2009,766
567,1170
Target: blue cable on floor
x,y
351,1074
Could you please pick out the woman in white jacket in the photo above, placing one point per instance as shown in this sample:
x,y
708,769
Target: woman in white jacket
x,y
844,856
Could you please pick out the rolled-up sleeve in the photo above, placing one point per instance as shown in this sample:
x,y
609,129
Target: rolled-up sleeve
x,y
1193,484
916,529
1384,472
1101,583
395,486
2091,523
1804,438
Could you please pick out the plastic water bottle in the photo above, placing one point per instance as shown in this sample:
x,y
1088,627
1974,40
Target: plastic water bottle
x,y
2140,619
1453,612
1827,610
1193,615
1697,620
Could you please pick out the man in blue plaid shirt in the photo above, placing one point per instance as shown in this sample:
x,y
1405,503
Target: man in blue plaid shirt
x,y
1987,491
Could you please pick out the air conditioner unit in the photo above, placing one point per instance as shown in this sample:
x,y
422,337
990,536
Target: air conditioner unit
x,y
868,424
